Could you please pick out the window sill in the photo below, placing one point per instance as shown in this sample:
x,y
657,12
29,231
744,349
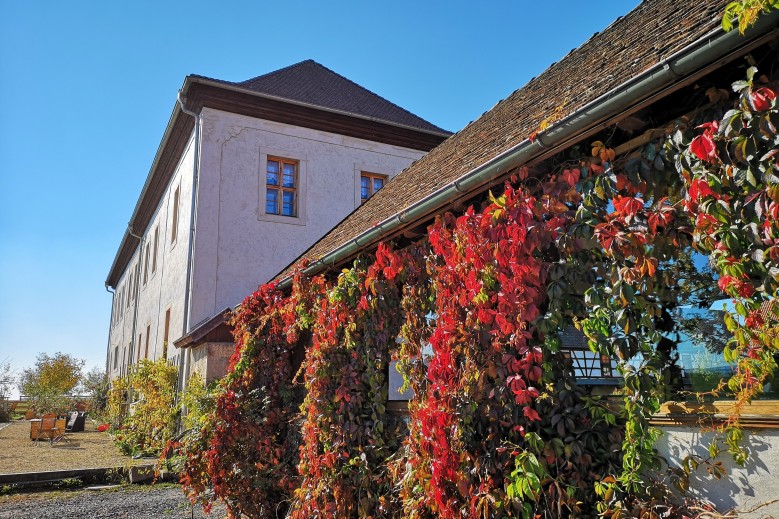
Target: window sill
x,y
763,414
277,218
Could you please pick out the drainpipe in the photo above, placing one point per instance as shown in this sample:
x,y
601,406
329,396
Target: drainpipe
x,y
712,48
110,328
184,370
136,297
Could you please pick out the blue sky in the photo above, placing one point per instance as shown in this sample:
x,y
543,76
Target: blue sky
x,y
86,89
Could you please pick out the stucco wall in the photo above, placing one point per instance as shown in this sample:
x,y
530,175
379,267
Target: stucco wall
x,y
210,360
238,247
745,487
164,287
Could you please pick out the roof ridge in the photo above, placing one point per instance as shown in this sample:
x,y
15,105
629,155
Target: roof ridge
x,y
255,77
360,101
282,69
374,93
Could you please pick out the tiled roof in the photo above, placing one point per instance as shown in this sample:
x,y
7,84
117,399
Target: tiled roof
x,y
312,83
633,43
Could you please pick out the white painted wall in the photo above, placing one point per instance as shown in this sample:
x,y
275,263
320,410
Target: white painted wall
x,y
164,287
744,488
238,246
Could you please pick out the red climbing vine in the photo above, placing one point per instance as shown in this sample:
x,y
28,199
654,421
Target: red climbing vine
x,y
475,314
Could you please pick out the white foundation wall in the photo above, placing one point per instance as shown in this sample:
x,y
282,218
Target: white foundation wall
x,y
163,288
238,246
754,486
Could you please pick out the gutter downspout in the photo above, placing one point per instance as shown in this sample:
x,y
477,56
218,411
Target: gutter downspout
x,y
184,364
708,49
137,296
110,328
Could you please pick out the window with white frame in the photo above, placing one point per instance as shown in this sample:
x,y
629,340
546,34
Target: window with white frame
x,y
281,186
370,183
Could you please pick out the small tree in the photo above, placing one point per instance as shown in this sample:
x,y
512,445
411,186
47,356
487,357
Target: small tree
x,y
51,381
6,382
153,416
95,384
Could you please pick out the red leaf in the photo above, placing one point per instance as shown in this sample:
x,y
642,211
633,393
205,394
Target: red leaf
x,y
703,147
531,414
762,99
627,205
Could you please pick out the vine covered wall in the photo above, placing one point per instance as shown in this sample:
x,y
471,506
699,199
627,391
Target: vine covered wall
x,y
474,313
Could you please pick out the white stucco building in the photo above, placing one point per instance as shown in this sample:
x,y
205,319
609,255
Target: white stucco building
x,y
248,175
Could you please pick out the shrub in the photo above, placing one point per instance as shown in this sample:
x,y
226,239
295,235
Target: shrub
x,y
149,422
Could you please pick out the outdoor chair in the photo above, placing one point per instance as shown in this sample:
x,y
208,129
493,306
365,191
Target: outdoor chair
x,y
47,429
70,426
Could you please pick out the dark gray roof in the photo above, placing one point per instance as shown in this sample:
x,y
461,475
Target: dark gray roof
x,y
312,83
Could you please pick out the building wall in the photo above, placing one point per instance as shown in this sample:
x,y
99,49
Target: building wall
x,y
163,287
121,320
210,360
238,246
743,488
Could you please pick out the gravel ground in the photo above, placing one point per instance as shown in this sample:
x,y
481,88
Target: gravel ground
x,y
132,502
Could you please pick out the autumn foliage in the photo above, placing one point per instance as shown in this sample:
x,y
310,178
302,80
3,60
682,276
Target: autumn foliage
x,y
474,315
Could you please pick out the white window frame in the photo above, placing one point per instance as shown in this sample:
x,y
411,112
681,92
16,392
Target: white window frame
x,y
302,161
372,169
175,216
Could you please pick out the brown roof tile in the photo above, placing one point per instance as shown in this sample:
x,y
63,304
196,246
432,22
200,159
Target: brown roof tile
x,y
633,43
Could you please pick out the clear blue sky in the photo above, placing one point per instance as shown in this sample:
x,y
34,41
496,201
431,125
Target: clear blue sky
x,y
86,89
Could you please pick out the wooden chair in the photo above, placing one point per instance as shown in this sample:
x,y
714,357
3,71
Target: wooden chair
x,y
47,429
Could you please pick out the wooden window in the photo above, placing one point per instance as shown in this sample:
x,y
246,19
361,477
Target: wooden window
x,y
146,350
369,184
165,336
156,248
281,183
175,223
146,264
116,357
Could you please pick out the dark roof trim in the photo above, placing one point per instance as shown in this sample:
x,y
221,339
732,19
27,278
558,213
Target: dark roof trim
x,y
692,59
228,98
196,335
198,93
193,79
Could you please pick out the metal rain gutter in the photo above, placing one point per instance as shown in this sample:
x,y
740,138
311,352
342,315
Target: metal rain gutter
x,y
684,62
185,359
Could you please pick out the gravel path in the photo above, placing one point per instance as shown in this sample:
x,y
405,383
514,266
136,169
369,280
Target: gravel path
x,y
132,502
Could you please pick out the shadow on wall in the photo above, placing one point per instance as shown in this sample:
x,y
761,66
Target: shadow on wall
x,y
742,488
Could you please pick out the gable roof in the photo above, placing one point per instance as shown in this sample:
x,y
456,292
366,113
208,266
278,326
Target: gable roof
x,y
603,68
305,94
314,84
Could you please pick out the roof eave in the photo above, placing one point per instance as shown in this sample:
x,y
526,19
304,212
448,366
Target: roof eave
x,y
112,278
236,88
194,337
711,48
